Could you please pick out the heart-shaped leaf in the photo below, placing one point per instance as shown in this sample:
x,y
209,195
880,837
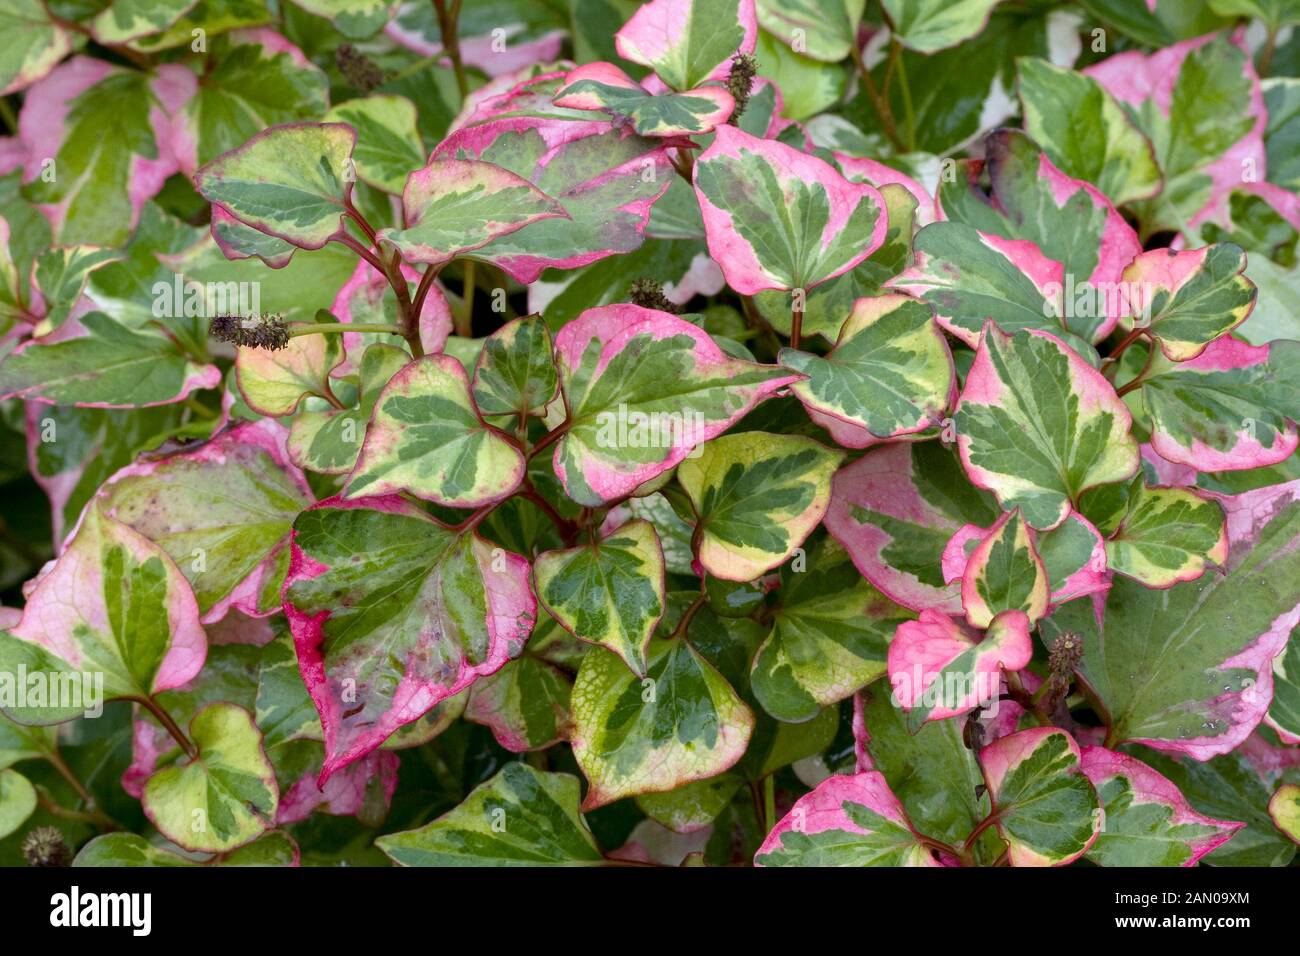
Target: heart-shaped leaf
x,y
393,612
830,634
688,41
17,801
823,30
1045,807
643,388
682,722
894,511
940,668
515,373
1148,822
1005,573
1189,669
757,497
777,218
98,362
526,704
1192,298
113,604
604,87
1037,425
426,437
1284,808
890,371
274,381
290,181
223,798
222,512
846,821
1232,407
1167,535
521,817
610,592
454,206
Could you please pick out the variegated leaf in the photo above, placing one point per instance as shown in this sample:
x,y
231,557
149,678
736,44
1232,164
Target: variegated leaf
x,y
1191,298
222,512
682,722
274,381
688,41
777,218
426,437
1005,573
353,18
392,613
1086,131
1190,668
1148,820
292,182
846,821
895,509
643,388
35,43
1038,426
229,785
61,274
604,87
939,667
1284,808
388,147
830,633
1168,535
1047,810
930,25
822,30
543,826
454,206
526,704
515,373
113,604
610,592
126,20
890,371
1233,407
757,497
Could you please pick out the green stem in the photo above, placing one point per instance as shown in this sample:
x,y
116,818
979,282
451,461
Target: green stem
x,y
769,803
94,817
338,328
878,102
908,113
1266,54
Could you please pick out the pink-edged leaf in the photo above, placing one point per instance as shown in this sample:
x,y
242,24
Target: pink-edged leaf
x,y
1005,573
292,181
1284,808
606,179
363,789
1047,808
274,381
643,388
846,821
1232,407
426,437
1189,299
222,511
1067,220
778,218
109,132
1148,820
688,41
94,361
453,206
939,667
113,605
1073,553
860,169
1199,103
393,612
1190,669
1167,535
368,297
1038,426
894,511
604,87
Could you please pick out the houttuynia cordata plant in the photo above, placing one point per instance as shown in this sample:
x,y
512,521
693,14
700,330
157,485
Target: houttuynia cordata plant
x,y
553,432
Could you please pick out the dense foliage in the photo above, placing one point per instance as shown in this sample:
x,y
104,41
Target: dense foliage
x,y
794,432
